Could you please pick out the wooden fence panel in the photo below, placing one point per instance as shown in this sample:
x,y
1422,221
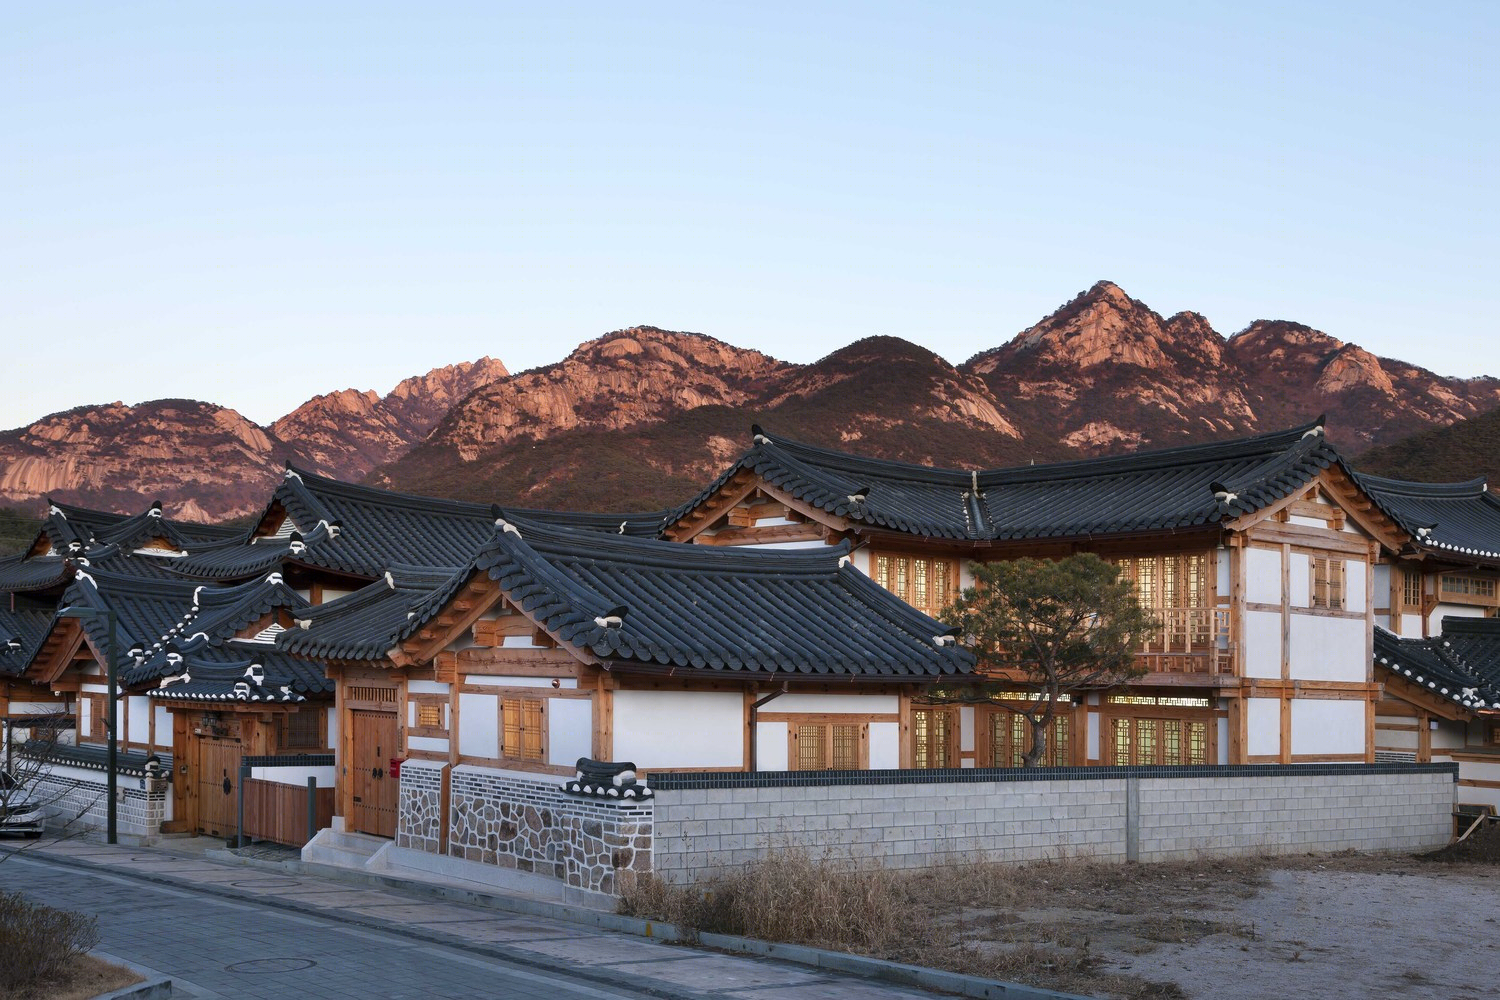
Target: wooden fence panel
x,y
278,812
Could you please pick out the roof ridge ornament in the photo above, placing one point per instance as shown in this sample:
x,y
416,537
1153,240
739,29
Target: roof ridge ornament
x,y
613,618
53,511
860,495
758,436
291,473
1317,429
622,526
1223,493
155,510
974,481
845,560
390,581
275,579
943,640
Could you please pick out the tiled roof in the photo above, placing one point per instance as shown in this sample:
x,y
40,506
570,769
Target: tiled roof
x,y
66,524
1149,491
241,671
160,619
1461,665
22,630
363,531
366,624
657,604
1461,520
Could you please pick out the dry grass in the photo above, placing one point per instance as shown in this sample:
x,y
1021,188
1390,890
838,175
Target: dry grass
x,y
1036,923
83,978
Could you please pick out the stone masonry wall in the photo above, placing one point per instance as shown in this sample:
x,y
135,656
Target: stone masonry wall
x,y
81,803
419,808
1152,814
528,824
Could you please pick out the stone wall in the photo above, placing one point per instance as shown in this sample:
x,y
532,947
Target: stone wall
x,y
77,799
419,809
526,823
909,819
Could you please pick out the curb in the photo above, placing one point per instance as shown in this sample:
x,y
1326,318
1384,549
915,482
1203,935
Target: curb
x,y
155,986
880,969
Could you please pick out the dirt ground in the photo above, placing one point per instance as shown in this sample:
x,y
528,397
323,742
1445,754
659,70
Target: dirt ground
x,y
1332,927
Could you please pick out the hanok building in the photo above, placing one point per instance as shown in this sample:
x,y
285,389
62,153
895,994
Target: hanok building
x,y
556,643
1437,641
1258,558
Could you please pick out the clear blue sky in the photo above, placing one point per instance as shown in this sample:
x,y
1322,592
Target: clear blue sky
x,y
254,203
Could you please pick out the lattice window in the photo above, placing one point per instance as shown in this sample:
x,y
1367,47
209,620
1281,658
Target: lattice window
x,y
523,727
381,695
1159,741
1473,586
1411,589
1010,738
819,746
430,715
1328,583
925,584
301,730
934,737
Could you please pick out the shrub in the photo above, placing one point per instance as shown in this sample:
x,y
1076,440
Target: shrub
x,y
38,941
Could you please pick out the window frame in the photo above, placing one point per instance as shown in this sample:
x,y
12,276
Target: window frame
x,y
415,726
950,738
283,730
900,576
541,720
1062,722
825,728
1328,574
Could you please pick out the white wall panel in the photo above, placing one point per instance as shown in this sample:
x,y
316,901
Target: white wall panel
x,y
1263,576
1263,722
478,723
1327,727
1354,583
1262,642
885,745
570,730
770,746
862,704
658,729
1328,649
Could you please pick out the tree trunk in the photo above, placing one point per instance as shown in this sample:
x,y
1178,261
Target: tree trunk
x,y
1038,749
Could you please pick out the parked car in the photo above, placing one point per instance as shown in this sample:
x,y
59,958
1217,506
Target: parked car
x,y
18,813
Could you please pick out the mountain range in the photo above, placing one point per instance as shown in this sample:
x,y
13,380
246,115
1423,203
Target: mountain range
x,y
642,417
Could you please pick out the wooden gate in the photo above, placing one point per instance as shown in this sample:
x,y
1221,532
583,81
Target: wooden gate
x,y
218,782
373,736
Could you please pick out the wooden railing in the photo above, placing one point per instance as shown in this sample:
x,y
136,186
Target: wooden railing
x,y
1189,641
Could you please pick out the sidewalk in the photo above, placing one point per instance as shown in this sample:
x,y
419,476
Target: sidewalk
x,y
605,957
602,947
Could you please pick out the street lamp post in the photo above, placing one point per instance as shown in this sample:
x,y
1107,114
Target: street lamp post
x,y
111,669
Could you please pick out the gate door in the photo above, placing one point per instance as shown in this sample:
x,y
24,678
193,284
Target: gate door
x,y
375,791
218,783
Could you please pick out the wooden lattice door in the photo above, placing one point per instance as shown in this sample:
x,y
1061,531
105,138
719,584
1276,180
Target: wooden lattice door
x,y
374,788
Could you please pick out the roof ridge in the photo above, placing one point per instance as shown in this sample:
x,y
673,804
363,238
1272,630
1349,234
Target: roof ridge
x,y
1408,487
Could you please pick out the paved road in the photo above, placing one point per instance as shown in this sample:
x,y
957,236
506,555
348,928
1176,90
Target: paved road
x,y
226,931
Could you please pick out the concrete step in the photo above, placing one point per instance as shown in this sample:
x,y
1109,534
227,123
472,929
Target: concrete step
x,y
341,848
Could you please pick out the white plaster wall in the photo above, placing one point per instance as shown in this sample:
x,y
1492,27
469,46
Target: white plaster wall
x,y
293,775
1263,576
1354,584
429,743
1093,737
1308,522
1449,735
1435,622
1395,739
139,724
965,573
885,745
1299,580
1382,584
163,727
771,746
1327,727
966,729
1223,744
659,729
333,725
426,687
1263,644
1222,562
570,730
864,704
812,544
1263,722
1411,625
478,724
1328,649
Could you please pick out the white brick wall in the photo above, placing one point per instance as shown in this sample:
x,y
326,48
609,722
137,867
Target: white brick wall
x,y
703,830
